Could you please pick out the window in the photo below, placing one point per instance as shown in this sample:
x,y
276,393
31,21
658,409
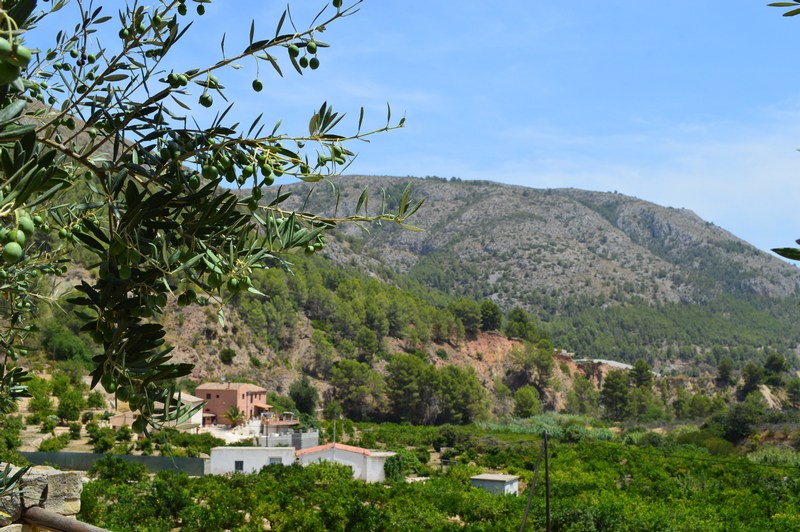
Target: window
x,y
238,465
275,460
242,396
217,396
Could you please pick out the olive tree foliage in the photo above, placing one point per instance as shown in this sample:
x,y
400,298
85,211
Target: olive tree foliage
x,y
789,253
101,118
795,5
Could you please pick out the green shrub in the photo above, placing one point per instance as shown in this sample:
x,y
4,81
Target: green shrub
x,y
117,470
95,400
124,433
226,355
48,425
423,454
54,444
707,440
574,434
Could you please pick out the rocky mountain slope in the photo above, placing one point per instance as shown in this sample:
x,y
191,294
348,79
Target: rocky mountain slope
x,y
510,243
607,275
643,277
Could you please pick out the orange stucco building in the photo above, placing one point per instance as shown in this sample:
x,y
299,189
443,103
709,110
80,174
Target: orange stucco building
x,y
220,396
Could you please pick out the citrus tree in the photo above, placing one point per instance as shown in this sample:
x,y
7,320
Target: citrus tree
x,y
101,151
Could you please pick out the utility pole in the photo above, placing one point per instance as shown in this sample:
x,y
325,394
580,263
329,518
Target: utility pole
x,y
542,452
546,484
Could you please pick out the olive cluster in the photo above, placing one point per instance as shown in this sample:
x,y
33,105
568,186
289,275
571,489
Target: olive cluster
x,y
309,58
139,25
14,239
251,164
82,59
183,10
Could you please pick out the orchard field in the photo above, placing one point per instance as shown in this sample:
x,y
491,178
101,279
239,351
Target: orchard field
x,y
599,480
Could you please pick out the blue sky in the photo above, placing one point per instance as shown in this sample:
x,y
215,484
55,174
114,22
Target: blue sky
x,y
683,103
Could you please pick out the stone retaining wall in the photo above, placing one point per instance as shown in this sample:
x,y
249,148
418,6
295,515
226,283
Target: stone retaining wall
x,y
54,490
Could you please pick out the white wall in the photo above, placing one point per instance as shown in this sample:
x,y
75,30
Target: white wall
x,y
375,462
223,459
497,487
356,461
367,468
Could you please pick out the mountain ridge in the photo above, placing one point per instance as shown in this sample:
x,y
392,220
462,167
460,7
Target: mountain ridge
x,y
569,256
589,230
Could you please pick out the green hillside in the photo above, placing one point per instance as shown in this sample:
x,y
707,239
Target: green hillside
x,y
607,275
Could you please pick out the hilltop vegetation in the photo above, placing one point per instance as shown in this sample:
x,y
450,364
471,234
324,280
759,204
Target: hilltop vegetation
x,y
606,275
363,331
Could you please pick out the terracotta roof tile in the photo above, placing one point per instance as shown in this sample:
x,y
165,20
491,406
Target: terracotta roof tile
x,y
230,386
339,446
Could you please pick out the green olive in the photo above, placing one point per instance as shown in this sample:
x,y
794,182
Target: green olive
x,y
210,171
139,425
26,225
108,383
15,235
12,252
123,394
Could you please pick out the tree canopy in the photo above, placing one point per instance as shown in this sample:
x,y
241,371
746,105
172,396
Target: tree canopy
x,y
102,153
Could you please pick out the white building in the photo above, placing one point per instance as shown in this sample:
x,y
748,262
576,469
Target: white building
x,y
366,465
496,484
248,459
190,401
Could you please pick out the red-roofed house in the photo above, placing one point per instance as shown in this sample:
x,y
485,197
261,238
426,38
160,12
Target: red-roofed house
x,y
366,465
220,396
